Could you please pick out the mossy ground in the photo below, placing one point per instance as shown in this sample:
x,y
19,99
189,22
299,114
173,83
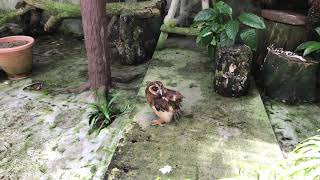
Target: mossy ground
x,y
293,123
216,137
44,134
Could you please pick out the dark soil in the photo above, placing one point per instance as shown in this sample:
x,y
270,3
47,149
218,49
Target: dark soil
x,y
12,44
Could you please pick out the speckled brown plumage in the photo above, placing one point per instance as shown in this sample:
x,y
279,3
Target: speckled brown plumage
x,y
165,103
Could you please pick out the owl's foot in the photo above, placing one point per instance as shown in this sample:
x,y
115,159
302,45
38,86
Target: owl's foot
x,y
158,122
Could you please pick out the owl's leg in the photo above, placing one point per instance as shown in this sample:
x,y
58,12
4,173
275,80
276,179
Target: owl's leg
x,y
158,122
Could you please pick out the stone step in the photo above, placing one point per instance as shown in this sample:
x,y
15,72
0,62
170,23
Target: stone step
x,y
216,137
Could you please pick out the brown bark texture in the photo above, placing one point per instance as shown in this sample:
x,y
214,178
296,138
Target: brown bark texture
x,y
95,34
232,70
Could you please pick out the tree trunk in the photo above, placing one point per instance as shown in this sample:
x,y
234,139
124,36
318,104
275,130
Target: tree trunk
x,y
289,78
232,70
95,34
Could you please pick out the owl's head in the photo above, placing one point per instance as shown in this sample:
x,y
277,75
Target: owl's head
x,y
155,88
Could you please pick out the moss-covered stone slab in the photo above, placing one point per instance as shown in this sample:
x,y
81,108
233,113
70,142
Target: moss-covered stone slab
x,y
293,124
216,137
44,134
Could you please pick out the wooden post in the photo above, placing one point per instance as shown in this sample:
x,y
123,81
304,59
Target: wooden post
x,y
167,20
205,4
95,34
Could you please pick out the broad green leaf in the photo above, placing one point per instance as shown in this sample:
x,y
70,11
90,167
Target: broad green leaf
x,y
312,48
249,37
197,24
204,37
318,30
252,20
206,34
225,41
214,26
232,29
305,45
223,8
205,15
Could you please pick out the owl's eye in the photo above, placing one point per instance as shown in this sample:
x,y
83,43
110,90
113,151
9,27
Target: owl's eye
x,y
155,88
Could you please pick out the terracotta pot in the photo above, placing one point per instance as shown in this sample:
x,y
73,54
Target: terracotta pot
x,y
17,61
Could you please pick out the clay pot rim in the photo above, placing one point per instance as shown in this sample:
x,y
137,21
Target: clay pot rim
x,y
16,38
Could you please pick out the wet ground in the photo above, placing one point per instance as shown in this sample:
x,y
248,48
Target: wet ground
x,y
292,123
216,137
44,134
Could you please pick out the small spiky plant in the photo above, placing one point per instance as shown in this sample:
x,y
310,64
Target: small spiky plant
x,y
103,114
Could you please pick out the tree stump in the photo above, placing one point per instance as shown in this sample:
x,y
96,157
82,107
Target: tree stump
x,y
284,30
290,78
232,70
130,44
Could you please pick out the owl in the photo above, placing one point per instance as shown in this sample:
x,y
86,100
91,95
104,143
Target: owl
x,y
165,103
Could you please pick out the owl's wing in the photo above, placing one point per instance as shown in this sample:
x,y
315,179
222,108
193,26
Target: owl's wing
x,y
173,96
161,104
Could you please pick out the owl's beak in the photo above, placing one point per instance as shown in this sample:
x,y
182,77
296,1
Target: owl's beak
x,y
159,92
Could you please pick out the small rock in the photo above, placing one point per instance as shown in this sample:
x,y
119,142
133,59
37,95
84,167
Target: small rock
x,y
10,29
7,82
127,74
4,146
71,26
61,149
166,169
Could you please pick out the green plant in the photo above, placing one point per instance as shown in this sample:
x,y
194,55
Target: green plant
x,y
310,47
104,113
219,29
305,159
302,163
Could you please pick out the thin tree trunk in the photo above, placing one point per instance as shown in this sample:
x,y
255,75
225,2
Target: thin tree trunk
x,y
95,34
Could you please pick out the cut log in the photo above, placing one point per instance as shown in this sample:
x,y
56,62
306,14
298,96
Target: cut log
x,y
232,70
133,40
130,44
289,78
284,30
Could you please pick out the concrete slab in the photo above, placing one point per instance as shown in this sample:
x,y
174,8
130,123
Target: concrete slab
x,y
217,137
44,134
293,123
